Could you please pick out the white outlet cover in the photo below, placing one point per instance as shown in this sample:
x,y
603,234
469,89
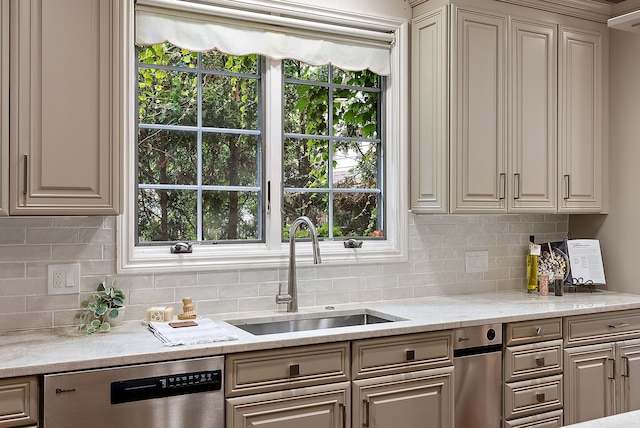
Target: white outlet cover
x,y
476,261
63,278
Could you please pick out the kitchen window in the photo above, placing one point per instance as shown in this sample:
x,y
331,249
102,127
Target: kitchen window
x,y
231,147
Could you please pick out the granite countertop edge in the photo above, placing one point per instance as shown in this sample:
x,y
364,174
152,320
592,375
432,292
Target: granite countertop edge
x,y
36,352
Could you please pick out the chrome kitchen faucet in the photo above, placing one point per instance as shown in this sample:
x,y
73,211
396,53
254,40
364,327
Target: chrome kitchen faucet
x,y
291,298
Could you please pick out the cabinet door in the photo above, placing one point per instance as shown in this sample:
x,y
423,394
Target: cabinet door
x,y
532,175
65,103
429,115
4,107
628,354
18,402
313,407
415,400
479,117
581,120
589,383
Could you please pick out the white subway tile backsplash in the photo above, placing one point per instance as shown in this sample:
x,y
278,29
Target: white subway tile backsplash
x,y
435,266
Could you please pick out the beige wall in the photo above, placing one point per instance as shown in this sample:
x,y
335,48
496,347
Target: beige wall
x,y
619,231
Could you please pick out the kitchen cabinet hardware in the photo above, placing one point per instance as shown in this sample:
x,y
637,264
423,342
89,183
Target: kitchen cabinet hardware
x,y
621,325
365,424
612,368
624,370
540,361
503,185
540,397
25,173
540,331
343,409
566,187
294,370
411,355
516,185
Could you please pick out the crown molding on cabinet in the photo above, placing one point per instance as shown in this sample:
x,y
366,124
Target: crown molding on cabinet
x,y
593,10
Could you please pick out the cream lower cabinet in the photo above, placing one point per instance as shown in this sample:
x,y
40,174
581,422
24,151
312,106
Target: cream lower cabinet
x,y
19,402
418,399
377,382
66,103
533,374
305,386
602,359
403,378
313,407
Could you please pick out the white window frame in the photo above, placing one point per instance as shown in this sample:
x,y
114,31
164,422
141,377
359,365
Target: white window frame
x,y
273,252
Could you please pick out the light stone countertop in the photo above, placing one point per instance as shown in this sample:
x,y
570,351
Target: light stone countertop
x,y
55,350
622,420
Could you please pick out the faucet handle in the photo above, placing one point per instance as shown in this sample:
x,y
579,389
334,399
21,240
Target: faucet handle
x,y
282,297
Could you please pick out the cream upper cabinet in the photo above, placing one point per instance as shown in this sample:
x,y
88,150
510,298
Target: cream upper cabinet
x,y
478,114
526,116
4,107
429,113
65,101
531,184
581,114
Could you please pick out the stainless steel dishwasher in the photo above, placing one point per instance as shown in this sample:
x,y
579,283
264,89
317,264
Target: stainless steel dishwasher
x,y
174,394
477,361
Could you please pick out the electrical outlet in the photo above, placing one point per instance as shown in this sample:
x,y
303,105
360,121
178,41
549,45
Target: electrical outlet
x,y
63,278
476,261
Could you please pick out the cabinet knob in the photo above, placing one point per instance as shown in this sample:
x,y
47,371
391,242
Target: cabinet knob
x,y
539,331
294,370
411,355
540,397
540,361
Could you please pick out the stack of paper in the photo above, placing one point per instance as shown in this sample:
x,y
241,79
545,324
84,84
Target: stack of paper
x,y
206,331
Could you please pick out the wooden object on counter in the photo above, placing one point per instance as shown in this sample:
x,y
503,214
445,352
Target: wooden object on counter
x,y
188,309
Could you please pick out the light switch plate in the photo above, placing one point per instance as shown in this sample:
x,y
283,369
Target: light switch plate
x,y
476,261
63,278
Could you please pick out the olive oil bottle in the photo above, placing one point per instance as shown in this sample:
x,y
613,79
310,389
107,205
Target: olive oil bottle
x,y
532,266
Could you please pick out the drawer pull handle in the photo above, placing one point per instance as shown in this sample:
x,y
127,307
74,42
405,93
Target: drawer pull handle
x,y
294,370
365,424
540,331
540,361
622,324
540,397
411,355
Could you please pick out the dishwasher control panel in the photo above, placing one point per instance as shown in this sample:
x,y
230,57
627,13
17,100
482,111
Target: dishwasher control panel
x,y
165,386
478,336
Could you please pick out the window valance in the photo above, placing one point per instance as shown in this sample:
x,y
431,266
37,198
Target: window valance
x,y
203,27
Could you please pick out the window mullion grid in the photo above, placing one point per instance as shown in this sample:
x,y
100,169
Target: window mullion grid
x,y
330,154
199,207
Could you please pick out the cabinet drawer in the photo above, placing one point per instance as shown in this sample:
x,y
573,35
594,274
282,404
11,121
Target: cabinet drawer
x,y
533,360
545,420
519,333
375,357
273,370
18,401
603,327
532,396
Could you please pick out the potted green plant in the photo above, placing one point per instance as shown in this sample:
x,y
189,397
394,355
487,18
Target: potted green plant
x,y
99,312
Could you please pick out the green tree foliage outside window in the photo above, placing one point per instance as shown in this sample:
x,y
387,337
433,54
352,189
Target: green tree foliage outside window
x,y
200,164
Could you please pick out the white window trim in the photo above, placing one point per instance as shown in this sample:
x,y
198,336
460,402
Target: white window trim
x,y
274,253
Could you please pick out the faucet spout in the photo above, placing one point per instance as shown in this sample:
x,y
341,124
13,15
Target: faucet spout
x,y
292,289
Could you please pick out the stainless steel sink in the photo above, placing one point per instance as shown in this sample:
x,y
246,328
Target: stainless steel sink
x,y
312,322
